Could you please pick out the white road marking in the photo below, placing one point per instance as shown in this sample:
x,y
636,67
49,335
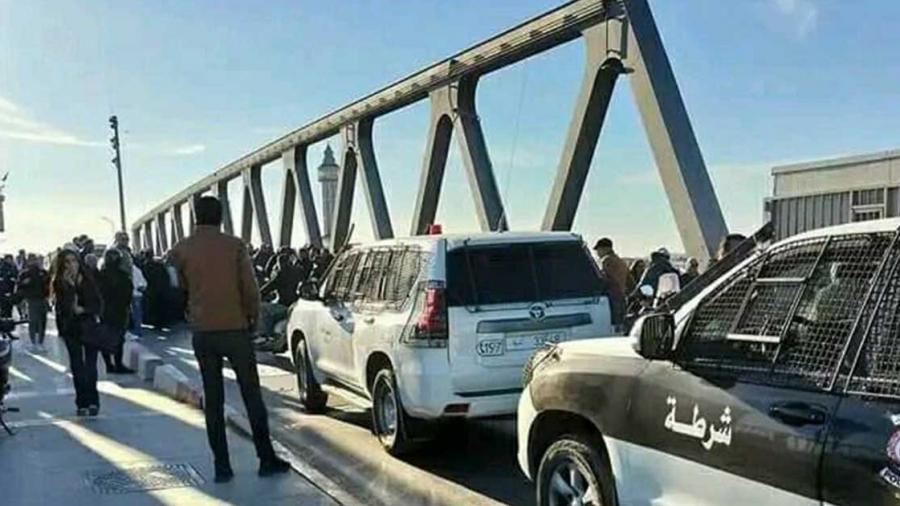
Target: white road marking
x,y
21,375
46,419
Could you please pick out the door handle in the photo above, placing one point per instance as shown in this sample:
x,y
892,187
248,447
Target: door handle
x,y
369,319
797,413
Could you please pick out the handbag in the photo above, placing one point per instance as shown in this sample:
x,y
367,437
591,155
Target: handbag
x,y
95,334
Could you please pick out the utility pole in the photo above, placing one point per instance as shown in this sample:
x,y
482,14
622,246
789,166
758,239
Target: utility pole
x,y
117,161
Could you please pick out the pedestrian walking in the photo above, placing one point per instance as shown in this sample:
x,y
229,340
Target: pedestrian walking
x,y
77,299
116,289
223,307
33,287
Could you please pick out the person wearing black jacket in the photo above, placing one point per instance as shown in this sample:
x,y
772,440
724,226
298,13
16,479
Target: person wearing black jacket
x,y
8,276
77,298
116,288
33,287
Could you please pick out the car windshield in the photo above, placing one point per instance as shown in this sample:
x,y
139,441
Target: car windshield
x,y
516,273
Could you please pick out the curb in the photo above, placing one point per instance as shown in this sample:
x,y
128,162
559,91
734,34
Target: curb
x,y
171,382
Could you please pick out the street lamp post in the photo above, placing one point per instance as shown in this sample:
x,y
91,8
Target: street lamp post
x,y
117,161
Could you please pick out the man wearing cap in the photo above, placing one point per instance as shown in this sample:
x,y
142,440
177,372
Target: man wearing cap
x,y
616,272
613,266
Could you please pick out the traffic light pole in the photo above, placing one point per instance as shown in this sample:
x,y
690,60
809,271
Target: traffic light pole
x,y
117,161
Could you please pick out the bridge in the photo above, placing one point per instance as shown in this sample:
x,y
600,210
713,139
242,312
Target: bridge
x,y
621,40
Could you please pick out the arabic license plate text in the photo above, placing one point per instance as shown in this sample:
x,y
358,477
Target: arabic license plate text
x,y
533,341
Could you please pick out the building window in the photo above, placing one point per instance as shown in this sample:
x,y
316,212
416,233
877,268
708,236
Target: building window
x,y
868,204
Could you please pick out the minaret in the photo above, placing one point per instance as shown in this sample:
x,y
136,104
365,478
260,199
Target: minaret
x,y
328,178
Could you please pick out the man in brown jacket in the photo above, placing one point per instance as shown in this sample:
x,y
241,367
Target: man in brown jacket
x,y
616,271
223,305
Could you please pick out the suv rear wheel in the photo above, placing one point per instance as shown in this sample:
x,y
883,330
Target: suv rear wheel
x,y
573,472
389,421
311,395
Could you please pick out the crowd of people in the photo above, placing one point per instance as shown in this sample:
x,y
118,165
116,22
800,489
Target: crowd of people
x,y
125,290
280,275
625,281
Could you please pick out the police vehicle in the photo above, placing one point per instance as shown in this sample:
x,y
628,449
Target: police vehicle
x,y
777,384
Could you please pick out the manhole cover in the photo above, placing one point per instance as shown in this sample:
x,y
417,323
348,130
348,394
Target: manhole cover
x,y
141,477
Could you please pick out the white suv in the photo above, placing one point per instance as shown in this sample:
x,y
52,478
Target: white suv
x,y
440,326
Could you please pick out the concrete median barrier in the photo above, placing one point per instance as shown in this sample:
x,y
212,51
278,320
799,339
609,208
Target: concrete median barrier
x,y
142,360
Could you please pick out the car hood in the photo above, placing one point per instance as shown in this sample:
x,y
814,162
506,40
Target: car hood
x,y
602,346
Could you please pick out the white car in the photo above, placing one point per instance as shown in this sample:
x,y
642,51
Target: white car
x,y
440,326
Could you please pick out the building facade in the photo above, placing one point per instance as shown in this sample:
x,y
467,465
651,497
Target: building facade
x,y
328,179
831,192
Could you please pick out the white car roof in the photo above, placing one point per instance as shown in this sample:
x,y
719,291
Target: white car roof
x,y
861,227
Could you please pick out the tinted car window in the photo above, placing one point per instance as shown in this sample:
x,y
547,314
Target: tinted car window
x,y
514,273
404,267
338,283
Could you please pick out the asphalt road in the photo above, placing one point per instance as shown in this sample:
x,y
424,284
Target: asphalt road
x,y
471,464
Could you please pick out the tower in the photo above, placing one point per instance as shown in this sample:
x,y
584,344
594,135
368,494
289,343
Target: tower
x,y
328,178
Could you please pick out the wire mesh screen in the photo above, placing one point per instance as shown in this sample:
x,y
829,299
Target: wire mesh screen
x,y
788,318
792,261
705,342
828,309
768,309
876,370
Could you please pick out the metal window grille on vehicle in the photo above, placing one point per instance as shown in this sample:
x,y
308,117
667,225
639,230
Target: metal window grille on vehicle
x,y
875,367
788,317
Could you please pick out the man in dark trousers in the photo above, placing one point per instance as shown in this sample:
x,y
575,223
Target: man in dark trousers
x,y
223,306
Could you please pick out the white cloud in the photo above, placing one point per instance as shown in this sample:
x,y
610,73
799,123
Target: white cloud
x,y
16,124
188,150
803,15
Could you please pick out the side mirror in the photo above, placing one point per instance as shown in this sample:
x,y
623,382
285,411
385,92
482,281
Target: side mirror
x,y
653,336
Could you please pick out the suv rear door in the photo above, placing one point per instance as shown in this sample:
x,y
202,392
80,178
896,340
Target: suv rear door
x,y
505,300
862,460
751,395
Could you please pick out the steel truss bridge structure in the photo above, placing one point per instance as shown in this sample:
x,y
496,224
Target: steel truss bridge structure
x,y
621,38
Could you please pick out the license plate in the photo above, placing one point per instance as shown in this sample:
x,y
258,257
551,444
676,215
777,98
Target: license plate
x,y
519,342
490,347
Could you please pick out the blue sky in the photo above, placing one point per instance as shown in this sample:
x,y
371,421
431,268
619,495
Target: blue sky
x,y
197,84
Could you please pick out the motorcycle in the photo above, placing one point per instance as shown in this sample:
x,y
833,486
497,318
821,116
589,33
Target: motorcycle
x,y
6,351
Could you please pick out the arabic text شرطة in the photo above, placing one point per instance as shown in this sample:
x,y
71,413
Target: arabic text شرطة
x,y
697,428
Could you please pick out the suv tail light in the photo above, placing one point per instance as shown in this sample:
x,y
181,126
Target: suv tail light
x,y
428,326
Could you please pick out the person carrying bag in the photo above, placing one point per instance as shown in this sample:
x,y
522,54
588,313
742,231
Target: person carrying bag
x,y
78,309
